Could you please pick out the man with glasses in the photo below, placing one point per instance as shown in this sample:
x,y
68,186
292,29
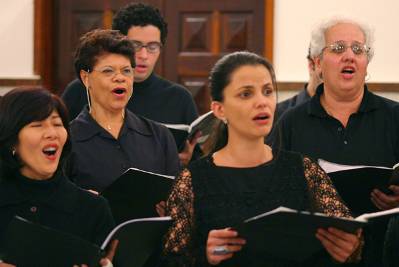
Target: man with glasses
x,y
344,122
306,93
153,97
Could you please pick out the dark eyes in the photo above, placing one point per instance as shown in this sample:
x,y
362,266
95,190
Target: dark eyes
x,y
248,93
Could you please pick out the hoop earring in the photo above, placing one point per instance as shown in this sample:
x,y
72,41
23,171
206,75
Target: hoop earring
x,y
13,151
88,98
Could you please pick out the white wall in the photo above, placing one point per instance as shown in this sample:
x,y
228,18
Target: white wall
x,y
16,44
294,20
293,23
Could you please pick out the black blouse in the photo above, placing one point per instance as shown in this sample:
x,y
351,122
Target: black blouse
x,y
56,203
206,197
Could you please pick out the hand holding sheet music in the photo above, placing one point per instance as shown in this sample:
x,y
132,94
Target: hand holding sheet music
x,y
278,232
356,184
26,242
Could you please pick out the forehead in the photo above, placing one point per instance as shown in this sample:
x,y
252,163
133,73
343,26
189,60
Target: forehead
x,y
344,32
250,74
144,34
110,59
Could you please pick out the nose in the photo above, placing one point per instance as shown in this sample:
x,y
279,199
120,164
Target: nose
x,y
51,132
142,53
119,77
261,100
348,55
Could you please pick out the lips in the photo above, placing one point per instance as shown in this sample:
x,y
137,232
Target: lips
x,y
120,91
348,72
50,151
140,68
262,118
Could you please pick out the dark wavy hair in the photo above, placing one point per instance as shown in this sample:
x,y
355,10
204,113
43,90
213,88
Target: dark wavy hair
x,y
219,78
18,108
99,42
138,14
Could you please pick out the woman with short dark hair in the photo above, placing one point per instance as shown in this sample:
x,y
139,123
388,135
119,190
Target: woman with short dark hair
x,y
34,140
107,138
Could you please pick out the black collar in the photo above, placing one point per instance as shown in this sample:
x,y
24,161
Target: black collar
x,y
369,103
85,127
64,198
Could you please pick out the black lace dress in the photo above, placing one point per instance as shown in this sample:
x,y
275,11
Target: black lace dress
x,y
206,197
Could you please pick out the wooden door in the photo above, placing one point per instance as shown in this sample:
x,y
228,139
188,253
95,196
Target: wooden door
x,y
200,32
73,19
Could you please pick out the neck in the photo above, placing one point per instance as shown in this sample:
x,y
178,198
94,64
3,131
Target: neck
x,y
341,107
240,153
110,121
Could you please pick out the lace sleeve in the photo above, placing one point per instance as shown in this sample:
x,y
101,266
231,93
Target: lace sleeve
x,y
324,196
177,244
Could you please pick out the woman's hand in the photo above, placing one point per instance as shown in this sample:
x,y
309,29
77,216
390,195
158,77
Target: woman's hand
x,y
339,244
161,208
222,244
107,261
384,201
187,153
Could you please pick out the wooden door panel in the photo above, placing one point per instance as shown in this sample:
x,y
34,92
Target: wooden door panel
x,y
207,30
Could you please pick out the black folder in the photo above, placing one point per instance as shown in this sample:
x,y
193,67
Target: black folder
x,y
29,245
355,183
135,194
291,234
183,132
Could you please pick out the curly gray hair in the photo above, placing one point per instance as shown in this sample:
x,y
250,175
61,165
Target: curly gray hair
x,y
318,41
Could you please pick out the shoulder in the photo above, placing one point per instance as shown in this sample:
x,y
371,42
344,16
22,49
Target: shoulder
x,y
74,89
146,126
174,88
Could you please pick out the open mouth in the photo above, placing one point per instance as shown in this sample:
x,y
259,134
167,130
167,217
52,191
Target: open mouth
x,y
50,151
261,117
348,70
119,91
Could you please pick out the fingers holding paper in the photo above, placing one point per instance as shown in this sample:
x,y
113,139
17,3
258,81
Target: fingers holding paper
x,y
384,201
222,244
187,153
339,244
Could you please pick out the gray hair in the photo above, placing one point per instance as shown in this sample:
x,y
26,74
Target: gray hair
x,y
318,41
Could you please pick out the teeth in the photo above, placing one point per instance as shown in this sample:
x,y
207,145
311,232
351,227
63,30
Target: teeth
x,y
50,149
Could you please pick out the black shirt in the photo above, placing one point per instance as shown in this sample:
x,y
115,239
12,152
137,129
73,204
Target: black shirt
x,y
56,203
155,98
292,102
371,136
98,158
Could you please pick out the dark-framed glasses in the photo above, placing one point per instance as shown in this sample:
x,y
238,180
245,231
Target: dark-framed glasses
x,y
151,47
110,72
340,47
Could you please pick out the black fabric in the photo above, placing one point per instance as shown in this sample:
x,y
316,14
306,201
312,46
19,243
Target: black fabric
x,y
155,98
371,137
98,158
292,102
247,192
56,203
391,248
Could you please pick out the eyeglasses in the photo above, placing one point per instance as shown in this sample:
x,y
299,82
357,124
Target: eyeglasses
x,y
151,47
110,72
340,47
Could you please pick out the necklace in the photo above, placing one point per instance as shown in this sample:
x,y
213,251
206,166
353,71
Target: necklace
x,y
107,125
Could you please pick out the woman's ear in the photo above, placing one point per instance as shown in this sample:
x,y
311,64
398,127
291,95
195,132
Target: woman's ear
x,y
218,110
84,76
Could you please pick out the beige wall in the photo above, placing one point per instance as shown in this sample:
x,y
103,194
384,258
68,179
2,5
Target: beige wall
x,y
292,26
